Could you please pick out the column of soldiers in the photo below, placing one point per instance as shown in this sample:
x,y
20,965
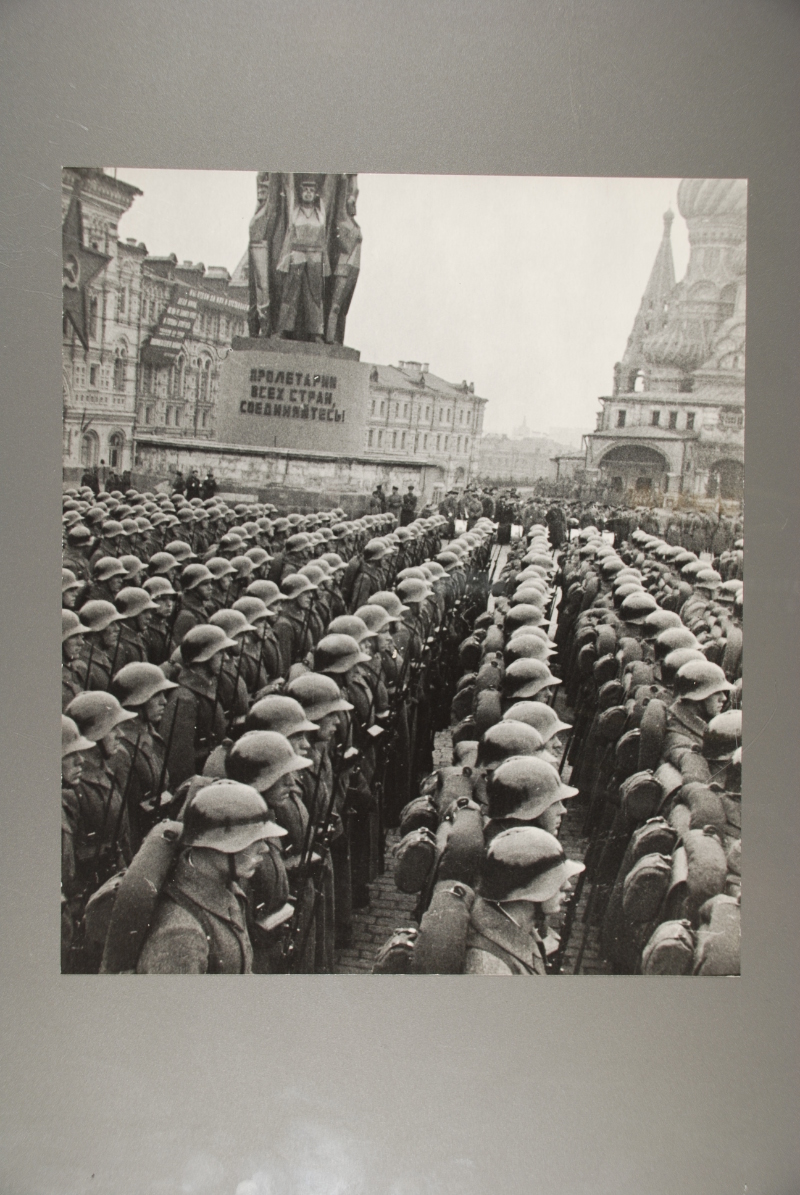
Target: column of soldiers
x,y
249,700
643,643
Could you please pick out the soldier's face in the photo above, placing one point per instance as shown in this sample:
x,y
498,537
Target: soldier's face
x,y
155,707
72,647
299,743
71,768
303,600
115,584
713,705
112,740
327,727
550,820
245,862
556,903
280,788
68,599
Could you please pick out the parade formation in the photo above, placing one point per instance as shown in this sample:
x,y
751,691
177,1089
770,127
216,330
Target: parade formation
x,y
252,697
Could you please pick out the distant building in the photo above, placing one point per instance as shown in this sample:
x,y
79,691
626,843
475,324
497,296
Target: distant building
x,y
674,423
510,460
417,417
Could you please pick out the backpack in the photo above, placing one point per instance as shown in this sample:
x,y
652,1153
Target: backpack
x,y
119,914
419,812
652,728
717,951
464,847
441,944
397,952
452,783
670,950
640,795
645,887
415,855
488,710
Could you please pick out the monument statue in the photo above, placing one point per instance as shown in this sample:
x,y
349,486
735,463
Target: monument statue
x,y
303,222
348,261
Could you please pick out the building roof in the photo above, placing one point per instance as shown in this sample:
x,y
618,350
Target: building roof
x,y
651,316
416,379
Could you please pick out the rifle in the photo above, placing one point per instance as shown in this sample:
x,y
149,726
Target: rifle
x,y
232,717
167,749
89,665
114,657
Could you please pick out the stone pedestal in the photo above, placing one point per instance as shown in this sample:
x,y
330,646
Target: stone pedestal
x,y
293,394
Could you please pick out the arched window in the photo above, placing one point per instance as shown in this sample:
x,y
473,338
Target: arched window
x,y
89,449
638,382
116,445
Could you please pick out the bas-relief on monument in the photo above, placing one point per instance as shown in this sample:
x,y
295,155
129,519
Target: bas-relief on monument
x,y
292,383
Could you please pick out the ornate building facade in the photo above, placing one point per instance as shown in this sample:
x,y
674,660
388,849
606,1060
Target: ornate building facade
x,y
674,424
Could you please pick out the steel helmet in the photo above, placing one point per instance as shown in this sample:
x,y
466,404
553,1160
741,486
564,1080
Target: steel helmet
x,y
334,560
107,567
136,683
232,622
415,571
448,560
524,786
319,695
227,816
71,625
526,678
258,556
338,653
540,716
636,607
294,584
267,591
181,551
78,534
132,601
97,615
231,542
412,591
282,714
158,587
700,679
524,863
243,567
352,625
202,642
161,563
374,549
660,620
523,615
253,609
219,567
71,738
505,739
671,663
390,602
194,575
374,617
708,577
526,631
96,714
262,757
69,580
299,542
314,572
673,638
723,735
529,595
530,646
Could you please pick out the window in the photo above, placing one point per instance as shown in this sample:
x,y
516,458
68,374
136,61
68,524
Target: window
x,y
424,441
460,416
203,379
122,296
466,443
446,443
168,416
79,375
427,412
438,442
89,444
147,379
673,418
394,439
690,421
405,410
93,372
204,419
458,446
621,418
382,406
148,414
396,409
469,417
403,440
119,370
178,414
116,442
448,414
380,439
638,382
370,436
93,310
441,414
655,418
372,408
416,441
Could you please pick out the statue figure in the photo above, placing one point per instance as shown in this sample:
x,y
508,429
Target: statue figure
x,y
348,261
259,316
303,262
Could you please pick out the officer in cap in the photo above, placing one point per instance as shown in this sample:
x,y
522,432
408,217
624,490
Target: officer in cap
x,y
200,924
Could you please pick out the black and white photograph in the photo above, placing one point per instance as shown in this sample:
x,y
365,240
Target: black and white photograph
x,y
375,665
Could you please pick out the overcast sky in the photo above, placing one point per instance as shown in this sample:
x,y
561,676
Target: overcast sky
x,y
526,286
